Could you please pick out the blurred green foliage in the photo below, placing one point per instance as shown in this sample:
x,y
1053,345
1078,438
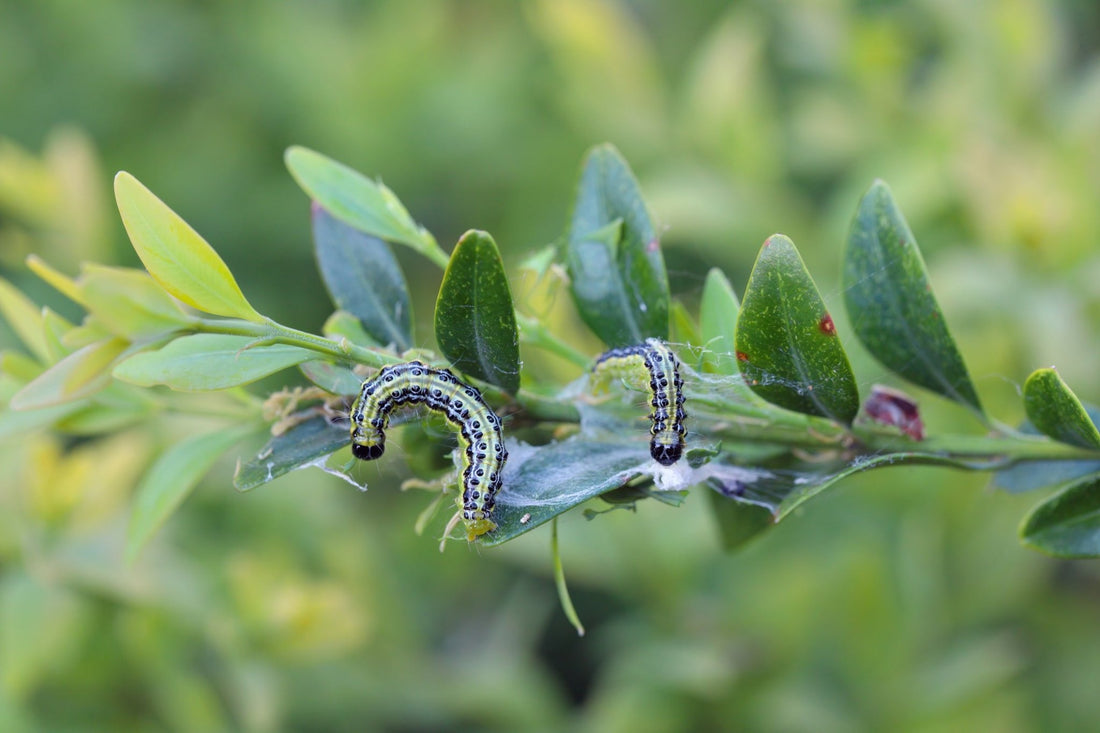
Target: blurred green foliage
x,y
903,602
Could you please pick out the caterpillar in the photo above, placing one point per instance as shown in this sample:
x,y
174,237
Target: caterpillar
x,y
479,428
665,388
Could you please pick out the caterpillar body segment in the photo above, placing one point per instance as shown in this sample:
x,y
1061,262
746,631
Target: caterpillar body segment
x,y
651,367
479,428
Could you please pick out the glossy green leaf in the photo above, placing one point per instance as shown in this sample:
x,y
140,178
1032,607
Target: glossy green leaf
x,y
718,313
25,318
1068,523
557,478
332,378
129,303
209,361
1056,412
300,446
364,279
176,256
475,323
787,346
891,304
354,199
170,479
616,269
78,375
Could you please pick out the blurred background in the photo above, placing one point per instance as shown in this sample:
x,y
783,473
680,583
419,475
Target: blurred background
x,y
900,601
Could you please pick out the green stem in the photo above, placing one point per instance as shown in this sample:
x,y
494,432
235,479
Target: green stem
x,y
531,331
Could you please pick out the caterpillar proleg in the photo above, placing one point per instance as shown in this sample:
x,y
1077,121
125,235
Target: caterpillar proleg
x,y
479,428
653,367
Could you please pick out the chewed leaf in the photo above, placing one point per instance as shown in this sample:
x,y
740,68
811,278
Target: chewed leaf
x,y
1056,412
176,256
616,269
891,304
475,322
171,478
1068,523
787,346
298,447
209,362
364,279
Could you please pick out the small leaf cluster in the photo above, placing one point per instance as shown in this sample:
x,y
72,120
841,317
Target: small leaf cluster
x,y
775,409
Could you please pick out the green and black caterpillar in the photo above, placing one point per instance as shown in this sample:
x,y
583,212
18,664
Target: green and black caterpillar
x,y
665,387
479,428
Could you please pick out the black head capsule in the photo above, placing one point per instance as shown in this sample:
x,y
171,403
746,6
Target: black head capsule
x,y
368,452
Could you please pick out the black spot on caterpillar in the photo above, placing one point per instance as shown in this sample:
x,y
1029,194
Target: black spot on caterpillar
x,y
441,391
653,367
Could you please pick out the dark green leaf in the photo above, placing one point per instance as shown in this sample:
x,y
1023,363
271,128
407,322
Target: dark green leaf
x,y
475,323
616,269
209,361
171,478
737,522
557,478
1056,412
1068,523
332,378
787,346
364,279
300,446
891,304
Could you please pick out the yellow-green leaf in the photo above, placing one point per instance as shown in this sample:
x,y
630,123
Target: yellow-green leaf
x,y
176,256
24,317
77,375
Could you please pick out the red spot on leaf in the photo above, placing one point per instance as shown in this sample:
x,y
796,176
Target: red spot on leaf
x,y
826,325
742,356
653,246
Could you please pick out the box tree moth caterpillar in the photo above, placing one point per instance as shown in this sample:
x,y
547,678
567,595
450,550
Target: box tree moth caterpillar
x,y
479,429
654,368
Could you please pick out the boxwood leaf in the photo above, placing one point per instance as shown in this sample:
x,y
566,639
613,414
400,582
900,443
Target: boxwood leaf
x,y
616,269
354,199
332,378
1068,523
25,318
475,323
1056,412
364,279
1031,475
786,344
737,522
891,304
718,313
128,302
300,446
171,478
176,256
209,361
81,373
